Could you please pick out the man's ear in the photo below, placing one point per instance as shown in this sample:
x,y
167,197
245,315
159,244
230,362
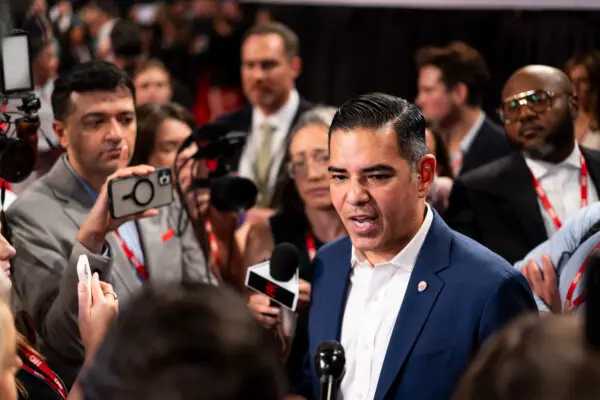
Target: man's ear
x,y
460,93
59,130
425,174
296,65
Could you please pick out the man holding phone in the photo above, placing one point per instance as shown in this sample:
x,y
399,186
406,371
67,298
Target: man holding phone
x,y
67,214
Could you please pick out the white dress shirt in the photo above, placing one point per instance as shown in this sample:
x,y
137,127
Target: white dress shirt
x,y
561,184
456,158
282,122
375,295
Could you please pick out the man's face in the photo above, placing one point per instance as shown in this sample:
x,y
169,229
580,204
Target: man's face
x,y
372,188
434,99
267,73
153,86
539,123
96,130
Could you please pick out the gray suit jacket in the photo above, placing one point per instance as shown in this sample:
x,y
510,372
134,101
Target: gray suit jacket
x,y
44,221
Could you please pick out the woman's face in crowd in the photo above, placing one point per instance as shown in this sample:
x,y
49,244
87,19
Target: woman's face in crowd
x,y
153,86
309,153
170,134
10,361
581,85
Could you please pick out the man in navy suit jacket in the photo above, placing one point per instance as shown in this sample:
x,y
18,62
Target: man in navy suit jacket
x,y
410,300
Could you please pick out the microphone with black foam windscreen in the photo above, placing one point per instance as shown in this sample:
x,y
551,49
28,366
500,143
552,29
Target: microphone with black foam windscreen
x,y
277,278
330,364
592,301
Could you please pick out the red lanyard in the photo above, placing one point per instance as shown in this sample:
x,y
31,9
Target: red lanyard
x,y
310,247
44,373
457,163
546,202
579,299
214,246
137,264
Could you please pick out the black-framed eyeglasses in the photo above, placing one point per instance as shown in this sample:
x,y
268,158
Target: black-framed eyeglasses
x,y
538,101
299,167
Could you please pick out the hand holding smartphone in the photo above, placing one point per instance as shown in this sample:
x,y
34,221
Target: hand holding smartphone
x,y
135,194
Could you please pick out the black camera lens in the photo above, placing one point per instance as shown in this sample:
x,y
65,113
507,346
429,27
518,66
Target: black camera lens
x,y
17,159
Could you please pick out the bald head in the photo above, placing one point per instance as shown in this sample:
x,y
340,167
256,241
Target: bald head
x,y
537,77
539,109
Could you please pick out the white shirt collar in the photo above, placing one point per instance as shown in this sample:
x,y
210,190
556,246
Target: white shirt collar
x,y
282,117
465,143
541,168
407,257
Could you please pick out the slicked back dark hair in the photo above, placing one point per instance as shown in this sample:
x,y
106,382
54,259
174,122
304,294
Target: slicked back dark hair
x,y
379,110
91,76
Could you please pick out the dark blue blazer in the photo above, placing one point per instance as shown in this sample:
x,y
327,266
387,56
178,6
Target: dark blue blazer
x,y
471,294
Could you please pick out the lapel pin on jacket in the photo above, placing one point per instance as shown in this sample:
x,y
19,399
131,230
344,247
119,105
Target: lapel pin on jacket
x,y
422,286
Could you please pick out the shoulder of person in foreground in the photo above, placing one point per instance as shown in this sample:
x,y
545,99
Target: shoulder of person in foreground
x,y
491,281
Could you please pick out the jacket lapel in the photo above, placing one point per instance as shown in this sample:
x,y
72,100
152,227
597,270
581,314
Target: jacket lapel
x,y
333,310
511,181
416,306
592,159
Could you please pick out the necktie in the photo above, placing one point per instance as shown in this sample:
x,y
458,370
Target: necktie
x,y
263,161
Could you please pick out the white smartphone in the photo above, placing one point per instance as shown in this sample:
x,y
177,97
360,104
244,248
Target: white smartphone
x,y
136,194
85,274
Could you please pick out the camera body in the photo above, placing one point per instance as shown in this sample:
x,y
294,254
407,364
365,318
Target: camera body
x,y
18,153
228,192
135,194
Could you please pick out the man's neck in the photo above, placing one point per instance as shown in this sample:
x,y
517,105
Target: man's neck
x,y
386,254
561,153
275,108
460,125
326,224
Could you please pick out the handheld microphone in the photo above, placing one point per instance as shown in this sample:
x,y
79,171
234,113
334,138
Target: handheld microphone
x,y
330,364
277,278
592,301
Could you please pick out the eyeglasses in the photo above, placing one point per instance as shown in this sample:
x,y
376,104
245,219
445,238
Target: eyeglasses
x,y
538,101
299,167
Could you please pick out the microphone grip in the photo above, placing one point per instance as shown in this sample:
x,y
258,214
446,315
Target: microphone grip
x,y
328,388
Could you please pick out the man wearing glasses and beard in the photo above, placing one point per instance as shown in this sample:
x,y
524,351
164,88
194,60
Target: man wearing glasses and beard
x,y
518,201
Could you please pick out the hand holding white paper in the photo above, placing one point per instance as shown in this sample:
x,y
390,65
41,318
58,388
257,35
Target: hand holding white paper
x,y
85,274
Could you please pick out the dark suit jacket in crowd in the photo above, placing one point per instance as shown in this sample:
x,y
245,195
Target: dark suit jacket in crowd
x,y
497,205
241,121
489,144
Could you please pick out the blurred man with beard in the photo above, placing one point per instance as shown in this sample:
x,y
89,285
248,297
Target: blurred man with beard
x,y
518,201
270,66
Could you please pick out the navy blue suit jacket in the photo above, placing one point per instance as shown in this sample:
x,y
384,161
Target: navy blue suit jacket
x,y
471,294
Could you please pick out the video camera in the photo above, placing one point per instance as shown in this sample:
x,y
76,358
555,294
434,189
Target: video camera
x,y
217,142
18,149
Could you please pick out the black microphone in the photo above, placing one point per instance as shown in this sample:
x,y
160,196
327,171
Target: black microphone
x,y
208,132
277,278
330,364
592,301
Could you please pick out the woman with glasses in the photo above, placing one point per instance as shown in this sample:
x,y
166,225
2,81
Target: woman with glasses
x,y
307,219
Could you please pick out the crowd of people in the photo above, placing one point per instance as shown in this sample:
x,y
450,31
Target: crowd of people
x,y
431,235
